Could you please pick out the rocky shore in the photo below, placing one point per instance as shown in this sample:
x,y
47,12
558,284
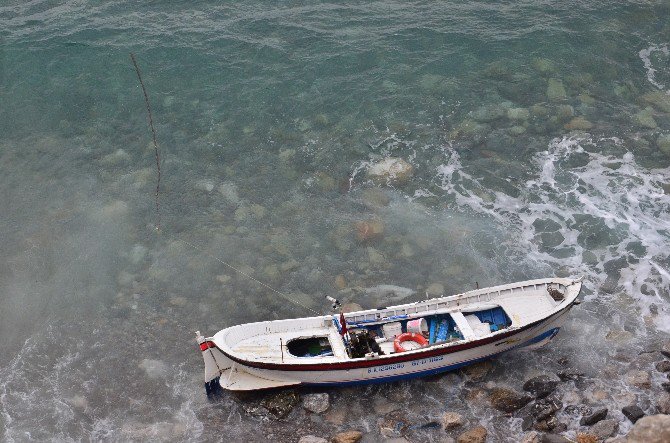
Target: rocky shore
x,y
563,407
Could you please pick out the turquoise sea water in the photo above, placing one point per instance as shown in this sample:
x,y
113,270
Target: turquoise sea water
x,y
539,137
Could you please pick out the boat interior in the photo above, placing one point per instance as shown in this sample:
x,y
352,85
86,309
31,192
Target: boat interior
x,y
373,333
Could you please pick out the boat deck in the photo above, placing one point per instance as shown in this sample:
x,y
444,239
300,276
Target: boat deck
x,y
267,346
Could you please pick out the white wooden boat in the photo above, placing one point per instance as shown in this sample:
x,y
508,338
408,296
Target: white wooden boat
x,y
457,330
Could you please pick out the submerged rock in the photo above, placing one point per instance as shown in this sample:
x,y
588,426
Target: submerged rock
x,y
474,435
658,99
316,403
663,144
640,379
478,371
369,230
645,119
545,408
663,403
155,369
604,429
651,429
594,417
633,413
556,90
507,400
578,124
665,350
394,171
540,386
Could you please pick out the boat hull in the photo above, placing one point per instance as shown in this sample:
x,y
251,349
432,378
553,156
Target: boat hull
x,y
404,366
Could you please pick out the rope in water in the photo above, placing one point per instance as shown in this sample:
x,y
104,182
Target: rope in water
x,y
281,294
153,134
158,214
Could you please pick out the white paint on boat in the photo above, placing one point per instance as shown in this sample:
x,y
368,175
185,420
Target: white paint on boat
x,y
255,355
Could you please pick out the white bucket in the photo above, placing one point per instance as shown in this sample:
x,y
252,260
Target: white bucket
x,y
418,326
392,330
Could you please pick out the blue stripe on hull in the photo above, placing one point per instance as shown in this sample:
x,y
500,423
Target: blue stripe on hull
x,y
550,334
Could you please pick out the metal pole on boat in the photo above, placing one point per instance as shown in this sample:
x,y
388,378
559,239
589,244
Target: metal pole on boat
x,y
281,346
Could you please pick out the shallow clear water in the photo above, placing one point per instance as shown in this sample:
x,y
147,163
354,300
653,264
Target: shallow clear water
x,y
268,117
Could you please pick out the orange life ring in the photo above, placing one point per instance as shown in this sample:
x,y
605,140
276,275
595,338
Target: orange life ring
x,y
408,336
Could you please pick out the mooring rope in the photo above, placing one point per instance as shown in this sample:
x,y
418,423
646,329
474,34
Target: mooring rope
x,y
281,294
153,135
158,214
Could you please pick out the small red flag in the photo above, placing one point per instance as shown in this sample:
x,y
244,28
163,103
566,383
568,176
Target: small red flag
x,y
343,324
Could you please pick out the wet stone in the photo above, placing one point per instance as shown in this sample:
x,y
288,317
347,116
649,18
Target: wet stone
x,y
282,403
604,429
531,437
394,424
594,417
316,403
347,437
452,420
665,350
547,425
663,403
576,410
556,90
640,379
546,407
666,386
540,386
663,366
478,371
569,374
633,413
474,435
507,400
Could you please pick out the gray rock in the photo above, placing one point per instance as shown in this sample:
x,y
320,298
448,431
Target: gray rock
x,y
532,437
316,403
569,374
640,379
545,408
663,403
633,413
507,400
452,420
665,350
540,386
489,113
651,429
547,424
666,386
604,429
594,417
663,366
282,403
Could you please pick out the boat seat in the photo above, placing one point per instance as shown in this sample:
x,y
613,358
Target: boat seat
x,y
463,325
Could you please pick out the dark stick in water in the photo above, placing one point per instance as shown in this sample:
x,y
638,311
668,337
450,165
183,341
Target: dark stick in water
x,y
153,133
